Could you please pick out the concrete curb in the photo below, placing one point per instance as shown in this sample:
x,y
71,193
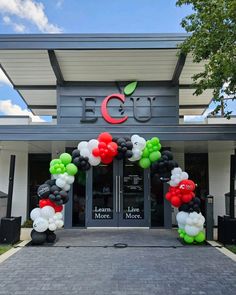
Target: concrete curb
x,y
12,251
223,250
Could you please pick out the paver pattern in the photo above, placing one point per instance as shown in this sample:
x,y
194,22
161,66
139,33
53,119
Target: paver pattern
x,y
84,262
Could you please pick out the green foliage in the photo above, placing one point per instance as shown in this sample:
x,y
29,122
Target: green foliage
x,y
28,223
213,37
4,248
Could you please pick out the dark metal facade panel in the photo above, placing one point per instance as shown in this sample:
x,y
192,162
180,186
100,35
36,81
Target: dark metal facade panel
x,y
91,41
151,104
196,132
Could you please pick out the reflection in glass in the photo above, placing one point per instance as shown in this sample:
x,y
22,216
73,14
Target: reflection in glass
x,y
79,199
133,191
157,202
102,204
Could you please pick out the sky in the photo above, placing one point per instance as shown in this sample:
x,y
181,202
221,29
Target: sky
x,y
80,16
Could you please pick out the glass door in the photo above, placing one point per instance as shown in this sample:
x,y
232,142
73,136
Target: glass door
x,y
118,195
101,195
133,195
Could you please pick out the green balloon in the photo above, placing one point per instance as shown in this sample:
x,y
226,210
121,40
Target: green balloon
x,y
200,237
159,146
149,145
145,153
155,140
55,161
154,156
145,163
65,158
71,169
188,239
181,235
52,170
155,148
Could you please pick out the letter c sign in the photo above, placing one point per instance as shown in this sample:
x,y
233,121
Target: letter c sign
x,y
104,110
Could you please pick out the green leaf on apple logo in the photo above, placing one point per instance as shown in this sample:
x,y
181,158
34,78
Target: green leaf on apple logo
x,y
129,89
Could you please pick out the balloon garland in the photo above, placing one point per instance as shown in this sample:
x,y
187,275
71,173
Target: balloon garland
x,y
53,194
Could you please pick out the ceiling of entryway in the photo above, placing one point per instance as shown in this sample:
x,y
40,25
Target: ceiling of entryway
x,y
33,64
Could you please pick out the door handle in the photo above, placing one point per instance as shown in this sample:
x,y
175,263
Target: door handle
x,y
119,193
116,194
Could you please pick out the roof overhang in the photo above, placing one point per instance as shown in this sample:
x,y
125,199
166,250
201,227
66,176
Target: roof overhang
x,y
35,64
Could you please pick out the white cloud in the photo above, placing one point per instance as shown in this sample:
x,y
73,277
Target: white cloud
x,y
8,108
29,10
3,79
19,28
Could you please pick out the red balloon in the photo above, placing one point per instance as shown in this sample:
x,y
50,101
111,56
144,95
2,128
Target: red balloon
x,y
112,147
58,208
105,137
96,152
46,202
187,197
175,201
187,185
107,160
168,196
102,145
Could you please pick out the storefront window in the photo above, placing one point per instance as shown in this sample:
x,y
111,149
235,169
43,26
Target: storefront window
x,y
157,202
79,199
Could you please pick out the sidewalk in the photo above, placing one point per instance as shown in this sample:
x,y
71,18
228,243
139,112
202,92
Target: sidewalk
x,y
85,262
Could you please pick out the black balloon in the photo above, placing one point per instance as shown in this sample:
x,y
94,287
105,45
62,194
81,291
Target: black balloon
x,y
124,148
51,236
164,165
81,162
44,191
193,205
50,182
38,238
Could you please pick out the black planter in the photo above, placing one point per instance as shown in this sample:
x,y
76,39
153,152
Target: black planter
x,y
226,230
10,230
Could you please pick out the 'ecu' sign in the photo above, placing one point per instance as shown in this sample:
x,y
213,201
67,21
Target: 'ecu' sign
x,y
104,104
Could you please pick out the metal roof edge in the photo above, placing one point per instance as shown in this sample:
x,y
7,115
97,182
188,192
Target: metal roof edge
x,y
91,41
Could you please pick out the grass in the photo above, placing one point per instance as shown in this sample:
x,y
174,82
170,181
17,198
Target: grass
x,y
231,248
4,248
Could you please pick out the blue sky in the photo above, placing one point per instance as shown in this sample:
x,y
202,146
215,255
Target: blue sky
x,y
79,16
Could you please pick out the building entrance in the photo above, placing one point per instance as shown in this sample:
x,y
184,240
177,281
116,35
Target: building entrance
x,y
118,195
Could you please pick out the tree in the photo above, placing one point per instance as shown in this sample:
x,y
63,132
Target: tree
x,y
213,38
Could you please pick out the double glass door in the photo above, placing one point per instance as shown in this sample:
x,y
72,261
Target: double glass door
x,y
118,195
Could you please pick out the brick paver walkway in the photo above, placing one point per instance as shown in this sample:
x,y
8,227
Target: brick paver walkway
x,y
101,269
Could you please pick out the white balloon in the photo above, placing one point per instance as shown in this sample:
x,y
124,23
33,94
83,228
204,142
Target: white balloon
x,y
40,224
47,212
192,230
82,145
94,161
85,152
176,170
51,220
60,182
58,216
55,176
181,217
35,213
70,179
59,223
92,144
184,175
52,226
66,187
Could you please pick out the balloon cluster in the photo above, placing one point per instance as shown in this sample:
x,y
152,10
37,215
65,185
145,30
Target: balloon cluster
x,y
53,194
124,147
151,153
45,220
191,226
139,144
164,166
62,165
193,205
107,149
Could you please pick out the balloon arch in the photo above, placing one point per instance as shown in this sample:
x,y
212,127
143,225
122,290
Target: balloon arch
x,y
53,194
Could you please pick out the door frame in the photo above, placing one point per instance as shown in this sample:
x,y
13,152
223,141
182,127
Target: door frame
x,y
117,220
